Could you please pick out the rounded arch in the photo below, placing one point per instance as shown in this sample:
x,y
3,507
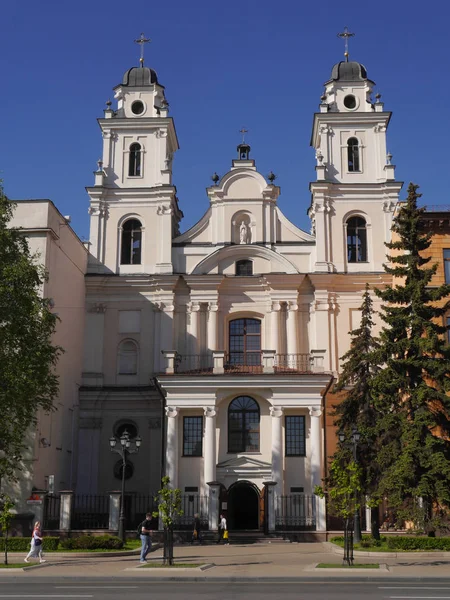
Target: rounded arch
x,y
353,154
279,262
130,241
128,425
356,238
127,357
135,160
128,217
243,227
243,505
244,415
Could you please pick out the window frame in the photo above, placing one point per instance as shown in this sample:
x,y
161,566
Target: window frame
x,y
243,447
135,160
247,264
135,236
353,155
360,243
245,352
446,261
302,434
198,418
119,356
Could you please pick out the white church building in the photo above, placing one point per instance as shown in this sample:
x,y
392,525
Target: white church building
x,y
219,346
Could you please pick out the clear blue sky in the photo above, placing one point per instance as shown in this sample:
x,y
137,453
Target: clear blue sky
x,y
258,63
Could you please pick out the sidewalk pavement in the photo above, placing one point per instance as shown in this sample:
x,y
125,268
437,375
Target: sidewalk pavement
x,y
274,561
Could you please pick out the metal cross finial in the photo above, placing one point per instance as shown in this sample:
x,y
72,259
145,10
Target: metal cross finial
x,y
141,41
345,35
243,131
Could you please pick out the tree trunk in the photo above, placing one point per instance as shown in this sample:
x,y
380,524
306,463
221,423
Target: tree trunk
x,y
375,522
6,547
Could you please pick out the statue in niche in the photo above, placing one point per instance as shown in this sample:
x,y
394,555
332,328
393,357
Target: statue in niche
x,y
243,233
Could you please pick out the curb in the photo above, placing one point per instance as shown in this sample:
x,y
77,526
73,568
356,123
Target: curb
x,y
438,554
117,553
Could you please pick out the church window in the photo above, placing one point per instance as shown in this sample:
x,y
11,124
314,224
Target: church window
x,y
447,264
125,426
350,101
243,425
118,469
192,436
137,108
353,155
244,267
131,243
356,240
128,355
134,167
245,342
295,444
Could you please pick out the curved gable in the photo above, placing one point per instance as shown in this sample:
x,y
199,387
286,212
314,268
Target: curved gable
x,y
270,261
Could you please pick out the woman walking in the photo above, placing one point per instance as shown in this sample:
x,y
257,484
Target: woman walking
x,y
36,544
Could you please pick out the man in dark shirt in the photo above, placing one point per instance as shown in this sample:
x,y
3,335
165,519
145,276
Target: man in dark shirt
x,y
146,539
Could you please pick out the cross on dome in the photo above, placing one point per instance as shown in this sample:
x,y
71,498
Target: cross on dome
x,y
345,35
243,131
141,41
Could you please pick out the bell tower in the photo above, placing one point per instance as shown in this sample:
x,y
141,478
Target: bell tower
x,y
355,193
134,209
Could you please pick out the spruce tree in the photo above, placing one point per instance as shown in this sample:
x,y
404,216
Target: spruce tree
x,y
412,402
357,408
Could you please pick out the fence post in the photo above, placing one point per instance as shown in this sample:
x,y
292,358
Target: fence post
x,y
321,522
214,505
114,510
65,510
270,504
268,361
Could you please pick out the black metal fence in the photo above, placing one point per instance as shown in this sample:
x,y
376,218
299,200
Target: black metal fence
x,y
191,505
90,512
137,506
52,509
295,512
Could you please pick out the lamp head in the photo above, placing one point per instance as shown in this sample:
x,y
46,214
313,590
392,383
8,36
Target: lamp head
x,y
341,435
124,438
112,441
138,441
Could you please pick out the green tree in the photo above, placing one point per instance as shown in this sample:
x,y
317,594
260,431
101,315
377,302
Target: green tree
x,y
357,409
27,356
412,388
169,509
6,516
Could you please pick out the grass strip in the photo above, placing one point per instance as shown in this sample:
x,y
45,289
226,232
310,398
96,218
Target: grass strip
x,y
354,566
175,565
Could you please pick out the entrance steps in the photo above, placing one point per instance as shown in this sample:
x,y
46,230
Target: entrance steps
x,y
245,537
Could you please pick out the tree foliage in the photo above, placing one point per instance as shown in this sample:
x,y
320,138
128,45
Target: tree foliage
x,y
6,505
411,390
27,356
169,509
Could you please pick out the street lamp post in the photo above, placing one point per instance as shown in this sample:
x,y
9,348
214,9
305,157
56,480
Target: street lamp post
x,y
356,533
123,450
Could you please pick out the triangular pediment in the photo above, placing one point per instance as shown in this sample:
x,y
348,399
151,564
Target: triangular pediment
x,y
244,462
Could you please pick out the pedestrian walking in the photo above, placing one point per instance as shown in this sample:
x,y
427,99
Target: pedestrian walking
x,y
36,544
145,533
196,533
223,531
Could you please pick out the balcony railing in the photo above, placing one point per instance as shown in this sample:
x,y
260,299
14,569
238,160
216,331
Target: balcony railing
x,y
234,363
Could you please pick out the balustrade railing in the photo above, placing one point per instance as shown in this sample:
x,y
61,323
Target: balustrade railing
x,y
191,505
244,362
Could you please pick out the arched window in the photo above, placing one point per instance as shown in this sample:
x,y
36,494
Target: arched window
x,y
131,243
244,267
245,342
128,358
243,425
134,166
356,240
353,155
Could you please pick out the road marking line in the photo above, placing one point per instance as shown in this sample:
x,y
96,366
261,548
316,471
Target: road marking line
x,y
96,587
46,596
421,597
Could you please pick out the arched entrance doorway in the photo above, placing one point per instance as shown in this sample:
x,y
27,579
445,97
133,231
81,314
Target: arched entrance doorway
x,y
243,506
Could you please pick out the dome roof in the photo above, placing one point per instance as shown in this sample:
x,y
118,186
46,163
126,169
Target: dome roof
x,y
349,71
139,77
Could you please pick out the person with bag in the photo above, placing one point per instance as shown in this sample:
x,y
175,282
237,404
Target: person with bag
x,y
196,534
223,531
36,544
145,533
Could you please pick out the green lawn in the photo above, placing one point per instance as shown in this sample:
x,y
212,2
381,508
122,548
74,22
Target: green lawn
x,y
13,565
353,566
383,547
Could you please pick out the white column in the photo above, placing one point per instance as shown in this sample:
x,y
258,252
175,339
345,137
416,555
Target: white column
x,y
275,327
292,330
212,326
167,314
277,448
172,445
315,413
209,451
193,330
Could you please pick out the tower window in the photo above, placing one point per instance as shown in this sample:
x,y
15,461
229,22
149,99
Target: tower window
x,y
356,240
243,425
131,243
447,264
134,168
137,108
350,101
353,155
244,267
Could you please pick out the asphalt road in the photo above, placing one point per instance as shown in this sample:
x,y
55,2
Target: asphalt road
x,y
253,590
